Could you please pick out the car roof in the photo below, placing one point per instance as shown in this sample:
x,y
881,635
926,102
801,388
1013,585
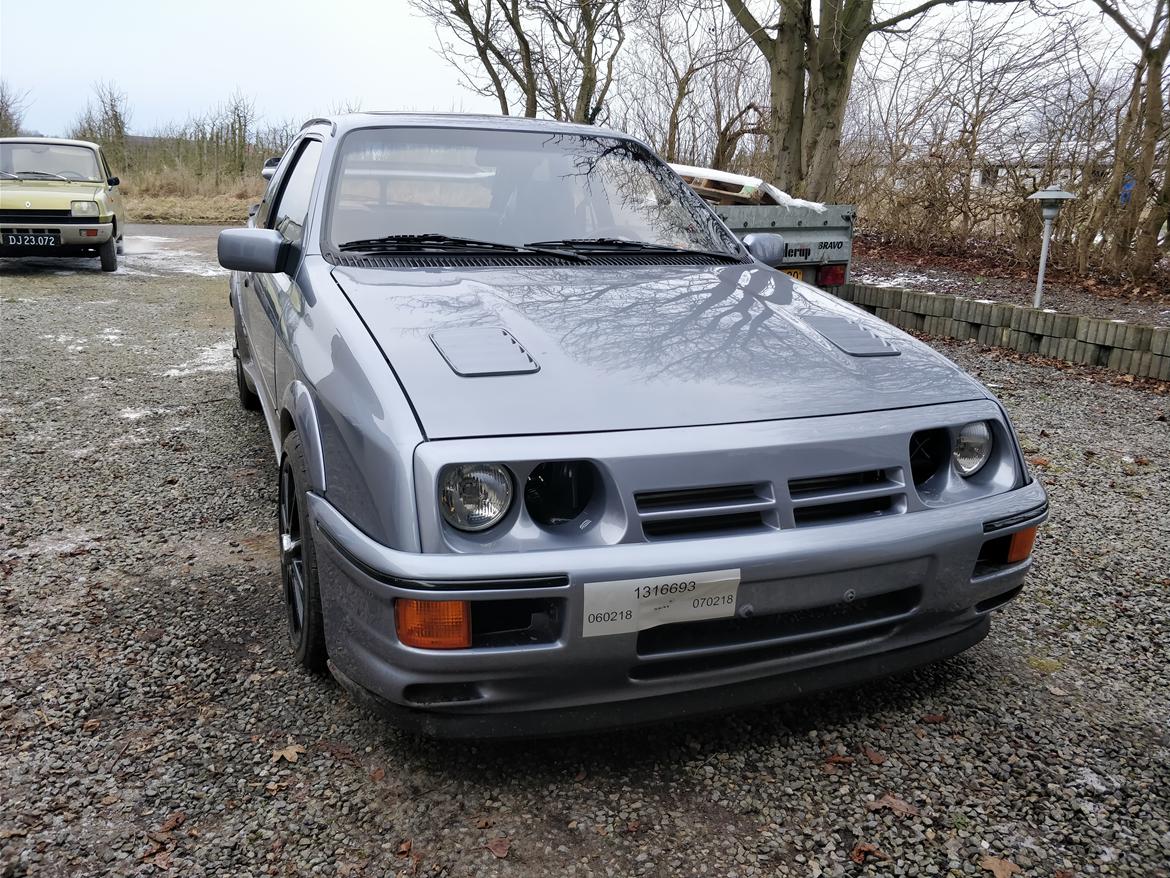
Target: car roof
x,y
397,119
56,141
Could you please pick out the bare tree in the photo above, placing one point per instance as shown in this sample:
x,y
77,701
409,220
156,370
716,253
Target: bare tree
x,y
105,122
555,56
1148,204
811,61
12,106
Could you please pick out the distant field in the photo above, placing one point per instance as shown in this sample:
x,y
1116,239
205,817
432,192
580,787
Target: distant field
x,y
220,210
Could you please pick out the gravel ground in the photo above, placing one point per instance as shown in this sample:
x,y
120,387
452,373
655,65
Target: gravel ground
x,y
152,722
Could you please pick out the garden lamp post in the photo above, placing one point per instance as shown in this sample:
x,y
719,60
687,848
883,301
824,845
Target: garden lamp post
x,y
1051,200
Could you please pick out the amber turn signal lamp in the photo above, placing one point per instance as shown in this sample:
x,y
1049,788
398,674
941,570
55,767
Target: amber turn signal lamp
x,y
433,624
1021,545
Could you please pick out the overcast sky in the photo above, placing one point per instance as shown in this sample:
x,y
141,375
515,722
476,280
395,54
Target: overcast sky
x,y
295,58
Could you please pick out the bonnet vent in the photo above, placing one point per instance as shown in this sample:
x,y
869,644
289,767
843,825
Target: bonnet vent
x,y
473,351
850,337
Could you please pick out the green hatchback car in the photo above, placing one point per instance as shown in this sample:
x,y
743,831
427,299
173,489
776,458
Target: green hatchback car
x,y
58,198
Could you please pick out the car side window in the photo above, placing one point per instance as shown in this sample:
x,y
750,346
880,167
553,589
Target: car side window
x,y
292,205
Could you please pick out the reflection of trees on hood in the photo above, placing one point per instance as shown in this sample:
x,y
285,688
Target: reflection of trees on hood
x,y
683,321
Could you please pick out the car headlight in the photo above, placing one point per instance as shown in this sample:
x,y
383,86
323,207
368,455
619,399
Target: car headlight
x,y
84,208
972,448
474,496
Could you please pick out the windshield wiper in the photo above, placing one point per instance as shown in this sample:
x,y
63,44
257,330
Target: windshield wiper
x,y
10,175
452,244
20,174
612,244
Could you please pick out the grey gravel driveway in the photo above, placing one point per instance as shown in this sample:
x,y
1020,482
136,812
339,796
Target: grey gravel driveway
x,y
152,722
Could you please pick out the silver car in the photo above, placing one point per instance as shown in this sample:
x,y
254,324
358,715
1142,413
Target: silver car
x,y
558,452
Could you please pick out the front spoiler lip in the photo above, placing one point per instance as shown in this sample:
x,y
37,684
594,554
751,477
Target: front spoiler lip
x,y
566,721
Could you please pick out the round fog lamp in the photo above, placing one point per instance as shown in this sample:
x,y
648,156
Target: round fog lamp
x,y
972,448
474,496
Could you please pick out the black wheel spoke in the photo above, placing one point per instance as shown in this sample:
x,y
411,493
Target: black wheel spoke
x,y
292,559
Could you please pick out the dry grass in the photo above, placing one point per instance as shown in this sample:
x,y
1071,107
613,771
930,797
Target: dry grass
x,y
220,210
176,195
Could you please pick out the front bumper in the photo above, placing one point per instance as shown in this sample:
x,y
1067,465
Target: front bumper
x,y
853,601
75,236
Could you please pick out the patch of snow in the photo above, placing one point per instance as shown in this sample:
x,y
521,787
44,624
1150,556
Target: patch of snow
x,y
217,358
138,414
158,263
786,200
898,280
58,543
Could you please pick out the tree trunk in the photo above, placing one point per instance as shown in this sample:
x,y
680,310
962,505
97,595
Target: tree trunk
x,y
1146,243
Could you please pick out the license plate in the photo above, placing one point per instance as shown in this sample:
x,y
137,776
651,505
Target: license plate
x,y
31,239
796,273
621,606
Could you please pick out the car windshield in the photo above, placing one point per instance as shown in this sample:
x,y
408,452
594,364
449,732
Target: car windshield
x,y
48,161
513,187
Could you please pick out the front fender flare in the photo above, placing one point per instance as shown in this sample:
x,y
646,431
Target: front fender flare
x,y
298,405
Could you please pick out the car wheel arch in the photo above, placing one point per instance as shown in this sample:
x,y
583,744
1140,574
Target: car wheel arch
x,y
298,412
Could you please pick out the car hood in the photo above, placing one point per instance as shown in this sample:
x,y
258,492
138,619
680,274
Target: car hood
x,y
44,194
582,349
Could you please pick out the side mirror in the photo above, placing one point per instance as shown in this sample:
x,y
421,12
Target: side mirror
x,y
766,247
113,181
269,168
257,250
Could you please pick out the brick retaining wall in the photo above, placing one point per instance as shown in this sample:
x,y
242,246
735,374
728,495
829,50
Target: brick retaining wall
x,y
1132,348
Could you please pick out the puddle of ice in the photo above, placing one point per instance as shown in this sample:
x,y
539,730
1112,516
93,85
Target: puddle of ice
x,y
216,358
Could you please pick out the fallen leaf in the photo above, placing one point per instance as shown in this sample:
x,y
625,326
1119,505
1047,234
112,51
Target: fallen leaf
x,y
377,774
173,822
1056,690
1064,873
483,822
288,754
839,759
997,867
90,725
498,847
580,775
894,804
1039,461
162,860
920,733
109,800
13,833
1142,461
633,825
933,719
865,849
872,755
405,846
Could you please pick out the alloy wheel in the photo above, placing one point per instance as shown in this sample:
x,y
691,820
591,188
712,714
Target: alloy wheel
x,y
292,555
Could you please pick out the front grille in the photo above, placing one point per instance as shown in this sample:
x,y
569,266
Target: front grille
x,y
45,216
697,647
798,625
846,496
706,510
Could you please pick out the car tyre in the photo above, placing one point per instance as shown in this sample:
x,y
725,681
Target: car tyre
x,y
120,248
109,255
249,399
298,561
